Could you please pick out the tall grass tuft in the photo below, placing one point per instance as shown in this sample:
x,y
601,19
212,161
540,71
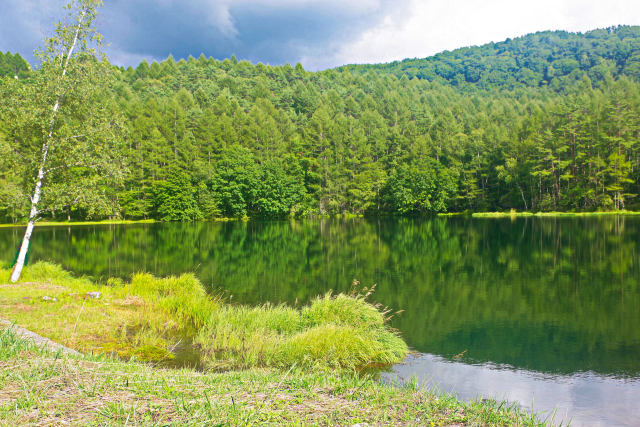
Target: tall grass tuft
x,y
11,345
342,309
341,346
342,331
145,318
183,298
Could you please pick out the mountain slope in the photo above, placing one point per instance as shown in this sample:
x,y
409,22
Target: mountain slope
x,y
546,58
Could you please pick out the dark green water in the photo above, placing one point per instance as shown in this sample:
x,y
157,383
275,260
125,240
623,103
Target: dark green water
x,y
557,298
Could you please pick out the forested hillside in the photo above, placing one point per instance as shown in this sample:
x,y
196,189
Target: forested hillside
x,y
207,138
551,58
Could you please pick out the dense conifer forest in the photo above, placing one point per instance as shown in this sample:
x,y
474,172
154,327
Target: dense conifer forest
x,y
549,121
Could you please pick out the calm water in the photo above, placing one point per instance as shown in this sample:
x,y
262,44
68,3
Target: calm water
x,y
541,311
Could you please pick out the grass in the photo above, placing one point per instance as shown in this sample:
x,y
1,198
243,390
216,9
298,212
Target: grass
x,y
259,365
148,318
550,214
68,223
342,331
40,387
101,222
124,321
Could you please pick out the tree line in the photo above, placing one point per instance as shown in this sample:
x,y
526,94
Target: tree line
x,y
203,138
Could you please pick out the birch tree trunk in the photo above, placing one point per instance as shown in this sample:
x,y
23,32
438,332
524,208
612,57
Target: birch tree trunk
x,y
24,248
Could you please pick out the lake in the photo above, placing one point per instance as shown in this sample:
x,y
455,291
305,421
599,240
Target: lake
x,y
544,312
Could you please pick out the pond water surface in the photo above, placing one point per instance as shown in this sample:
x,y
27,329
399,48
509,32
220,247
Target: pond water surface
x,y
544,312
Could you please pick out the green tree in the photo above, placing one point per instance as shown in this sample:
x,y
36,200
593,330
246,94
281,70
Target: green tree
x,y
235,181
61,127
176,199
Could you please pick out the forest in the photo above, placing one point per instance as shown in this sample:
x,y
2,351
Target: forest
x,y
545,122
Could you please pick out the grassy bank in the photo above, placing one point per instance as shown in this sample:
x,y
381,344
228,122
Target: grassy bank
x,y
40,387
266,364
69,223
343,216
512,214
174,318
107,222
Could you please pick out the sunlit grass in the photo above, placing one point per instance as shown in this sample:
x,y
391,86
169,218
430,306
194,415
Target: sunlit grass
x,y
140,319
550,214
38,387
342,331
71,223
146,317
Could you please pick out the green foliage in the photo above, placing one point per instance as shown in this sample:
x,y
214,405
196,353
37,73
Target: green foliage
x,y
342,332
235,181
544,122
548,58
13,66
63,126
278,192
419,189
175,199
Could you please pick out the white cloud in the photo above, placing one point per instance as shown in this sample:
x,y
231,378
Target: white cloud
x,y
426,27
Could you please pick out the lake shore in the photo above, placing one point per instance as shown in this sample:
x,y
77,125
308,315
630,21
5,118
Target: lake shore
x,y
109,222
551,214
115,324
70,223
509,214
37,383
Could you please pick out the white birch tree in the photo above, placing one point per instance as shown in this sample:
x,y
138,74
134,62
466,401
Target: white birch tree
x,y
62,128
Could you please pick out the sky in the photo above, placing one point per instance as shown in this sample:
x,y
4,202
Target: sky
x,y
319,34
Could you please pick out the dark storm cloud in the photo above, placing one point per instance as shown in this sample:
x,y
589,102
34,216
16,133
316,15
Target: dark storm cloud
x,y
24,24
269,31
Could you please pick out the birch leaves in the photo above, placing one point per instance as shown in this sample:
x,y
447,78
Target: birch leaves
x,y
63,130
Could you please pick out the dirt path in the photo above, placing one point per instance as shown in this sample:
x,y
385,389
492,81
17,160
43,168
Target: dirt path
x,y
35,338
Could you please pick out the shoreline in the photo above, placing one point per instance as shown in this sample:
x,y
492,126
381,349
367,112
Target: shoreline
x,y
552,214
125,331
511,214
104,391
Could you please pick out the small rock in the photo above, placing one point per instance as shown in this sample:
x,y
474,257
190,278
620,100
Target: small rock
x,y
95,295
46,298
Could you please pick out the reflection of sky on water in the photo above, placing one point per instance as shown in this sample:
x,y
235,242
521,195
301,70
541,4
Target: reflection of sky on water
x,y
583,399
